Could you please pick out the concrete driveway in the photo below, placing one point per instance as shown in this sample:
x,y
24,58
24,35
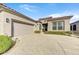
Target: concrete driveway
x,y
44,44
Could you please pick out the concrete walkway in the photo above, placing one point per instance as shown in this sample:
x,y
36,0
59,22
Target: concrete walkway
x,y
44,44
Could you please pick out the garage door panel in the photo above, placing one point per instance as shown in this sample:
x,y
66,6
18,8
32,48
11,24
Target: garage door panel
x,y
22,29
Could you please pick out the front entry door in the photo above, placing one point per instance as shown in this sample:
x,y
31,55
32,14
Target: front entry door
x,y
45,27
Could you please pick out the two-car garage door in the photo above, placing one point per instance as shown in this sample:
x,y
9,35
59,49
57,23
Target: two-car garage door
x,y
20,29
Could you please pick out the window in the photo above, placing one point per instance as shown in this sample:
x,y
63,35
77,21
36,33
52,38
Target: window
x,y
54,25
7,20
60,25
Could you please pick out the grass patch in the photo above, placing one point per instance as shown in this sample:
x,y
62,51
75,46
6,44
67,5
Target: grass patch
x,y
5,43
58,33
37,31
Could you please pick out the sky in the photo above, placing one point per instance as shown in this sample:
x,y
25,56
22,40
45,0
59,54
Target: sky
x,y
40,10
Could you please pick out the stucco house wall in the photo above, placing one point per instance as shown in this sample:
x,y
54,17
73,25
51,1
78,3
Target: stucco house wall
x,y
67,25
7,26
14,16
50,26
1,23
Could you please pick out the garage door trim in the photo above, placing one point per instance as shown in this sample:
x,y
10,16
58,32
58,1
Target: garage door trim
x,y
17,21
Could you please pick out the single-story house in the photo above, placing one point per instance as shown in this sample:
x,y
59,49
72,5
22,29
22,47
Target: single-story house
x,y
75,27
13,23
54,24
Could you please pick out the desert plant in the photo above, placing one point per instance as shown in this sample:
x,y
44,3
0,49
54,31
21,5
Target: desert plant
x,y
37,31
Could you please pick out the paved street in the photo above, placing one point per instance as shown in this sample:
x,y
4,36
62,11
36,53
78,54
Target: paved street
x,y
44,44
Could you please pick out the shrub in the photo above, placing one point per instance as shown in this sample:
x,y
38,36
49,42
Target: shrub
x,y
5,43
58,32
37,31
68,32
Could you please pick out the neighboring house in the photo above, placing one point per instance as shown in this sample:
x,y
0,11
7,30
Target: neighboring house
x,y
13,23
75,27
54,24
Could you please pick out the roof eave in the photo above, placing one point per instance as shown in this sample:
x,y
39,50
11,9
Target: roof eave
x,y
12,11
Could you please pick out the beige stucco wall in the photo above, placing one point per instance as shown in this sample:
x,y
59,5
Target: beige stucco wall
x,y
50,26
7,26
1,24
67,25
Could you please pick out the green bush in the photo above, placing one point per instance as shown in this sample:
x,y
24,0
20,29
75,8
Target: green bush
x,y
5,43
69,32
37,31
58,32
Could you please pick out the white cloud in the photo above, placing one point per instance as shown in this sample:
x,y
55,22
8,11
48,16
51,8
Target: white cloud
x,y
66,13
28,7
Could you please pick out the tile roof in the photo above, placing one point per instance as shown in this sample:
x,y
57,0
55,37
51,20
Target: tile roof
x,y
57,18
